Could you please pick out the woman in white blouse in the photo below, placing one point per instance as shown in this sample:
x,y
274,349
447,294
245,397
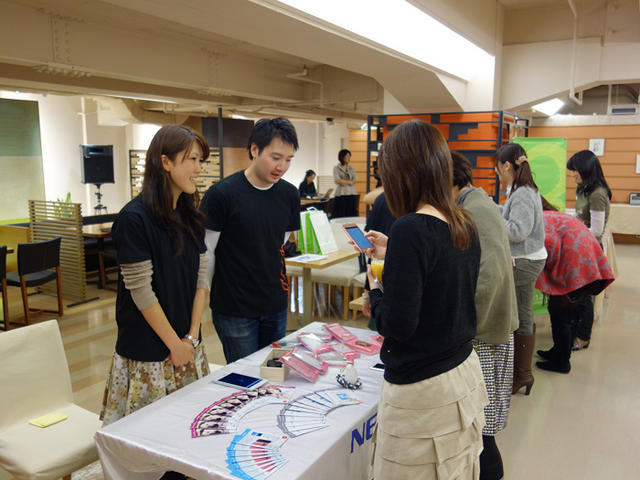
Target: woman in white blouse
x,y
345,203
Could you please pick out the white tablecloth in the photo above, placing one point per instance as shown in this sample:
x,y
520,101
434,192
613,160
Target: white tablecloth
x,y
157,438
624,218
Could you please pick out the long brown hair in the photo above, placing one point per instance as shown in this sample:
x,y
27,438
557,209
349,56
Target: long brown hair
x,y
517,157
415,165
171,140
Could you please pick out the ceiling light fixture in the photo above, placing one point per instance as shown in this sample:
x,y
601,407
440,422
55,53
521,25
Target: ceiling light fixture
x,y
402,27
133,97
550,107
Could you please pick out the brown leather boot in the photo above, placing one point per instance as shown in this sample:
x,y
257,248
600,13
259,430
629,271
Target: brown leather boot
x,y
523,345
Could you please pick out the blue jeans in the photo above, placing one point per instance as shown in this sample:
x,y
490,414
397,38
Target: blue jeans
x,y
243,336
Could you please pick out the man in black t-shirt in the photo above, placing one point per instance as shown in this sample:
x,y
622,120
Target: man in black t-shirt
x,y
250,214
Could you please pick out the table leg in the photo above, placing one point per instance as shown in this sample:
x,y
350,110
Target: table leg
x,y
306,295
100,249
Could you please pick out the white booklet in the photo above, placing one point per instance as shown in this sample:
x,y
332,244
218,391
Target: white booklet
x,y
307,257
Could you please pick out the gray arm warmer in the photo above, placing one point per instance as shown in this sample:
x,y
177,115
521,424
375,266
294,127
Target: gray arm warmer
x,y
203,280
137,279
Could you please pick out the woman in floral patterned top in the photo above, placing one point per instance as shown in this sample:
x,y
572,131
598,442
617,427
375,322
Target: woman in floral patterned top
x,y
575,268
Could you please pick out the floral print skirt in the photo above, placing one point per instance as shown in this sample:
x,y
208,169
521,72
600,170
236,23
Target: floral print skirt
x,y
133,384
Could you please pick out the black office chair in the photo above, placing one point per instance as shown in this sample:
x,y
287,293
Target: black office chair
x,y
3,286
38,263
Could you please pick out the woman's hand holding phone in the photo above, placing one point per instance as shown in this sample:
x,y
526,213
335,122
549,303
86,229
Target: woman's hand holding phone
x,y
379,242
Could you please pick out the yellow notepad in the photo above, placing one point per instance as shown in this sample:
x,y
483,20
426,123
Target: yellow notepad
x,y
48,419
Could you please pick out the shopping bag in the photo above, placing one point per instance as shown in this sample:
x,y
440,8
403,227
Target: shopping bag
x,y
315,234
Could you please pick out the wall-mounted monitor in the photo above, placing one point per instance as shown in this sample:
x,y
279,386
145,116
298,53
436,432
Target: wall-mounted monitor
x,y
97,164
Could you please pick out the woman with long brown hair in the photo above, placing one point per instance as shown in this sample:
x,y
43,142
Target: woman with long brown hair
x,y
159,240
522,214
433,391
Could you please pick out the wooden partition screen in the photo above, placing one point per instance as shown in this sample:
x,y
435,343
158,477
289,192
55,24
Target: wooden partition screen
x,y
59,219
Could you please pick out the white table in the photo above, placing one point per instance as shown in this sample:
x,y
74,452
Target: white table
x,y
157,438
332,259
624,218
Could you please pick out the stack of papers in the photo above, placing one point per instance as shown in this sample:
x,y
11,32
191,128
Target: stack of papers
x,y
307,257
307,413
255,455
48,419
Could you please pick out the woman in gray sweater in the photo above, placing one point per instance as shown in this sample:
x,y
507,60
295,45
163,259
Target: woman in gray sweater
x,y
522,214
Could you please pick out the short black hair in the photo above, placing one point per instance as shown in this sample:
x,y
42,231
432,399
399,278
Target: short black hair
x,y
266,129
341,154
462,171
309,173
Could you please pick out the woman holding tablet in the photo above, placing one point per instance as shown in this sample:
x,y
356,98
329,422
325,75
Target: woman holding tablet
x,y
159,240
433,391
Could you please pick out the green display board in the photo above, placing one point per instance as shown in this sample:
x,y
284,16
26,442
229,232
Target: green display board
x,y
21,177
548,160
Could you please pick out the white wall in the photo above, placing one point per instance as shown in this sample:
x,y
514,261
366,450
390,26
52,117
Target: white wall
x,y
307,155
62,132
319,146
333,138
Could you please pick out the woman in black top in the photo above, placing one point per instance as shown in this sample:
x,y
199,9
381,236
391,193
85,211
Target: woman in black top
x,y
159,240
593,199
307,188
433,392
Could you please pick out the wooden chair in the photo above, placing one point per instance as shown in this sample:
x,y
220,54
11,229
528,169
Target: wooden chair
x,y
38,263
3,286
110,256
35,381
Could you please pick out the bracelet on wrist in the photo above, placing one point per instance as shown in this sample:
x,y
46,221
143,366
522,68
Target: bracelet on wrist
x,y
194,341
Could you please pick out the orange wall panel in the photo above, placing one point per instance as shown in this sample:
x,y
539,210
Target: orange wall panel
x,y
622,144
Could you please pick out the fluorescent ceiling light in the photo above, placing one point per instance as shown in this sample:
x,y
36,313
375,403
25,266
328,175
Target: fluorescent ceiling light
x,y
133,97
550,107
400,26
238,117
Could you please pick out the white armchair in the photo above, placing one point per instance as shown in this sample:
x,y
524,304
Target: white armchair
x,y
35,381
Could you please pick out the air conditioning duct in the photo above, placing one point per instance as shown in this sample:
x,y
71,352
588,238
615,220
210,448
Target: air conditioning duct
x,y
628,109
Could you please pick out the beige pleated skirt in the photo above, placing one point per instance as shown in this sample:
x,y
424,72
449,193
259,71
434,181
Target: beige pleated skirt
x,y
432,429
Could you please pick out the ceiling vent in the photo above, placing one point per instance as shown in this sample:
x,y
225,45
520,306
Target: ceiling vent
x,y
629,109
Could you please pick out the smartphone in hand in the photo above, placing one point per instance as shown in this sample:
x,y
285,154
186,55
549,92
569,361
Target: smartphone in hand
x,y
357,235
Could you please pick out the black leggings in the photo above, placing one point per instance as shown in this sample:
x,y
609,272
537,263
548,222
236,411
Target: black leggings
x,y
490,459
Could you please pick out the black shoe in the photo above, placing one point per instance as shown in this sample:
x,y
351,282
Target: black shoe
x,y
546,354
554,367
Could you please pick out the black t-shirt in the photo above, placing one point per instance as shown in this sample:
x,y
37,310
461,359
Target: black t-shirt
x,y
250,278
380,219
137,237
427,313
307,189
